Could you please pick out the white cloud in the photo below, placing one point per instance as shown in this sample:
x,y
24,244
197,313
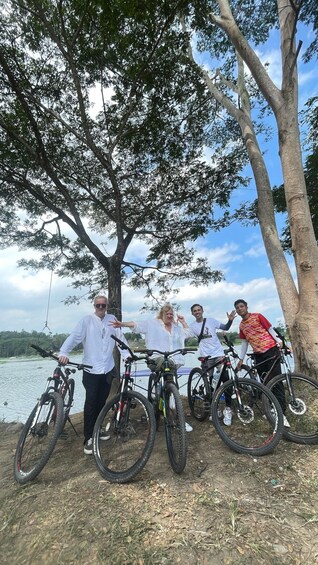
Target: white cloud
x,y
255,251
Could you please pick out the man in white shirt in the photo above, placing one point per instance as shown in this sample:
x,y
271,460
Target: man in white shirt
x,y
209,345
94,331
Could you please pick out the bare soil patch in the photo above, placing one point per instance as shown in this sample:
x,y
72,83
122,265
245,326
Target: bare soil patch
x,y
224,508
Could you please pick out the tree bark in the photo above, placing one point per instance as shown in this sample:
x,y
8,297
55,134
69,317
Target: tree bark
x,y
299,305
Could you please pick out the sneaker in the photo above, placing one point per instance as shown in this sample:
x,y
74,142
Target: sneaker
x,y
88,447
227,416
104,436
188,428
286,423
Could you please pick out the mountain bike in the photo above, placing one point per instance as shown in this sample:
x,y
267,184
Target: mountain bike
x,y
201,386
128,419
297,393
164,395
46,422
257,417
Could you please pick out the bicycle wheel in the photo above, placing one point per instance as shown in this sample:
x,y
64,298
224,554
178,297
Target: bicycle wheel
x,y
153,396
300,406
199,394
68,396
38,438
250,430
128,419
175,428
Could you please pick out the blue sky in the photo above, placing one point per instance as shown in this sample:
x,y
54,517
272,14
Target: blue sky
x,y
238,251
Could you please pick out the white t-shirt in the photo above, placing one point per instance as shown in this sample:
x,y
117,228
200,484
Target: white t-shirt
x,y
94,334
157,337
209,344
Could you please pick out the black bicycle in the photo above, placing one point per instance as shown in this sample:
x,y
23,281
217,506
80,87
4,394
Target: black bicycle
x,y
297,393
255,426
164,395
46,422
128,419
202,383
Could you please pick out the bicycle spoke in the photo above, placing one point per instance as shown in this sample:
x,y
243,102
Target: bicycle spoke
x,y
129,421
257,419
199,394
298,395
38,438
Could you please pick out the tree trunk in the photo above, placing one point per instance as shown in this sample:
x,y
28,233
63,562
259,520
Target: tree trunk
x,y
115,308
299,306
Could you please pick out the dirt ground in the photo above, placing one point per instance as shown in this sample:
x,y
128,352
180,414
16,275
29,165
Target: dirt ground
x,y
225,508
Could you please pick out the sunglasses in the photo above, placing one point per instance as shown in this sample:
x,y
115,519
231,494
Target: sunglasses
x,y
100,306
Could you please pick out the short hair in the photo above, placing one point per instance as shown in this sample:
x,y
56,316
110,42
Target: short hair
x,y
165,308
238,301
100,296
194,305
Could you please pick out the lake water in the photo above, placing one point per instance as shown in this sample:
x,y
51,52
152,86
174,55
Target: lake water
x,y
22,381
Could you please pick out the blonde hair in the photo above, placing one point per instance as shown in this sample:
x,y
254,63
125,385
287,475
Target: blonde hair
x,y
163,310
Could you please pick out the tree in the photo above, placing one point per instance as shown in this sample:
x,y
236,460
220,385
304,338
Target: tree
x,y
310,119
129,168
229,30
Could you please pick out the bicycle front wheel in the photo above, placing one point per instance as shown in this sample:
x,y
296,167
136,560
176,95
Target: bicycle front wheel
x,y
175,428
68,397
128,419
38,438
298,396
254,424
199,394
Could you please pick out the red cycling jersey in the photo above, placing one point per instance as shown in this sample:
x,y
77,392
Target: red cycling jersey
x,y
254,330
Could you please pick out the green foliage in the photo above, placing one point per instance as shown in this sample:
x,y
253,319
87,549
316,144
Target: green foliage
x,y
16,344
129,166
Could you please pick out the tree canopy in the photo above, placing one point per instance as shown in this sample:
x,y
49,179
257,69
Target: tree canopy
x,y
102,133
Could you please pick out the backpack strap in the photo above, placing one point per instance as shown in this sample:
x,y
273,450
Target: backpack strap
x,y
202,329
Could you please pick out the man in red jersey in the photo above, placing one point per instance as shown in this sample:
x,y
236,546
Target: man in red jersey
x,y
257,331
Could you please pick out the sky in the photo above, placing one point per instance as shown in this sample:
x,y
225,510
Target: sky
x,y
34,301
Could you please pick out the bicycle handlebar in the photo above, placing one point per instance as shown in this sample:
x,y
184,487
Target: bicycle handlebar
x,y
285,347
126,347
182,350
45,353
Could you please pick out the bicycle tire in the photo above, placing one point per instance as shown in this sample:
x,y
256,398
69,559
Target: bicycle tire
x,y
129,420
38,438
301,410
199,394
152,396
68,397
252,431
175,428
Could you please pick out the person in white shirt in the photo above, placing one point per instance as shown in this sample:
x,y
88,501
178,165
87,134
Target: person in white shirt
x,y
209,345
162,333
94,332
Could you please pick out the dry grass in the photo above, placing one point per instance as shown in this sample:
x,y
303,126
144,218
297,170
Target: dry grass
x,y
225,508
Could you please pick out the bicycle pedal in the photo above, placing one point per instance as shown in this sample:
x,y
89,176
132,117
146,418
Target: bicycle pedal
x,y
63,435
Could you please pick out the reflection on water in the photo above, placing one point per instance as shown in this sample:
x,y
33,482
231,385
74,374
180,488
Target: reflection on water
x,y
22,381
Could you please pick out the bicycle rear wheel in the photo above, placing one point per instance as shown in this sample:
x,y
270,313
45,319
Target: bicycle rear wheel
x,y
38,438
199,394
257,418
68,397
175,428
128,419
300,406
